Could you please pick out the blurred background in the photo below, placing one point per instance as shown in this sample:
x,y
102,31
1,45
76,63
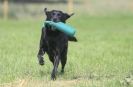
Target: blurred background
x,y
19,9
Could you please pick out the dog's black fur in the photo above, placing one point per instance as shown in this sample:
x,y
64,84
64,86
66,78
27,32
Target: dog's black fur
x,y
54,42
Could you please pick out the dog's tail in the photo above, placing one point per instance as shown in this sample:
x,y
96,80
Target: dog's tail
x,y
74,39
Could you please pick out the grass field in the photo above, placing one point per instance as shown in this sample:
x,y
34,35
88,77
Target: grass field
x,y
102,57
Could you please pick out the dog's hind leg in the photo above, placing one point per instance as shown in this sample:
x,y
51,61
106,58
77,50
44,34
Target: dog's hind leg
x,y
51,58
63,59
63,63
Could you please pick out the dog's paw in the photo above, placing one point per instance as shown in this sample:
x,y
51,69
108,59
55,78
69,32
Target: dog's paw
x,y
53,76
41,62
40,59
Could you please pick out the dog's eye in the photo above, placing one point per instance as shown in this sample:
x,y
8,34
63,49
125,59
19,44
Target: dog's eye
x,y
53,13
59,15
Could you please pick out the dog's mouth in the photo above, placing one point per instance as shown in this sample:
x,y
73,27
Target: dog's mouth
x,y
52,27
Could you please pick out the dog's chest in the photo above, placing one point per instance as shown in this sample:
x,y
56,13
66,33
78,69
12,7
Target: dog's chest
x,y
55,43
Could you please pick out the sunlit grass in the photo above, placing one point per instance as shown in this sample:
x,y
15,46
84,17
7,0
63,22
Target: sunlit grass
x,y
101,57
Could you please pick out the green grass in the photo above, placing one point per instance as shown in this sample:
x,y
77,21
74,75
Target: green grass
x,y
102,57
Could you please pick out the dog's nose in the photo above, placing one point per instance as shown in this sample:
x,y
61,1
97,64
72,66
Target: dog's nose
x,y
55,19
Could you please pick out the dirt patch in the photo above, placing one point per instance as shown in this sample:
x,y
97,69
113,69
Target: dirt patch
x,y
44,83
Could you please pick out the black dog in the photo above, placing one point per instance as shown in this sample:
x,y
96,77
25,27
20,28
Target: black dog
x,y
54,42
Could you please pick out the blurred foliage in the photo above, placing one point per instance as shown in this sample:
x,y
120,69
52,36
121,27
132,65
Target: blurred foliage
x,y
37,1
89,7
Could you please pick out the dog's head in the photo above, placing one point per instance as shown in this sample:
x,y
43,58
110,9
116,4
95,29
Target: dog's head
x,y
56,15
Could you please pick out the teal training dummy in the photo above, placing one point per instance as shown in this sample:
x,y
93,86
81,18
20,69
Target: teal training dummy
x,y
62,27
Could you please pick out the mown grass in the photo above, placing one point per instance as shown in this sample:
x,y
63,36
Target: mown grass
x,y
102,57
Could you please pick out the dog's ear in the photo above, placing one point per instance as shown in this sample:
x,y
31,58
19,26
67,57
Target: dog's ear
x,y
68,15
71,14
46,12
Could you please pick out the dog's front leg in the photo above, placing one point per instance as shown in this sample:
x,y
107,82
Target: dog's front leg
x,y
40,57
56,63
42,48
